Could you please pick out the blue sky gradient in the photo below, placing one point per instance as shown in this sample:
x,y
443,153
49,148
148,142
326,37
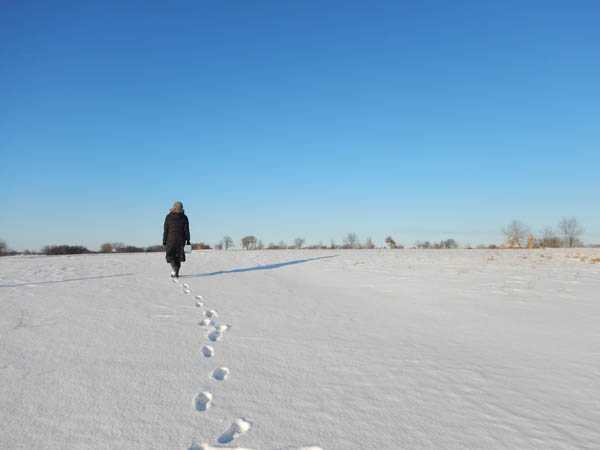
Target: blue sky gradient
x,y
423,120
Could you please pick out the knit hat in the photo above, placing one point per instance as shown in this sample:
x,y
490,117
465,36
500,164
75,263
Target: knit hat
x,y
177,207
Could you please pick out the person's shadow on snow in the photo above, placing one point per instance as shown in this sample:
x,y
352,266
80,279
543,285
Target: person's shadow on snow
x,y
261,267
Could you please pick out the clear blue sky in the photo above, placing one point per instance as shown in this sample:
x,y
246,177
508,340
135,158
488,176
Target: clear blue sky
x,y
422,119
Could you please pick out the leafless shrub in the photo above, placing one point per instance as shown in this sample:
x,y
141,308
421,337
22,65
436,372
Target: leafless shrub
x,y
106,248
550,239
200,246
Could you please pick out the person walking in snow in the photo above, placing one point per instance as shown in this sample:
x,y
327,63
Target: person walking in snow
x,y
176,235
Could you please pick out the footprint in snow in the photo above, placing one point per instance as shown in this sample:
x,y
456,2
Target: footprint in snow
x,y
204,322
186,286
203,401
221,373
208,351
215,335
211,314
208,447
199,301
237,428
218,332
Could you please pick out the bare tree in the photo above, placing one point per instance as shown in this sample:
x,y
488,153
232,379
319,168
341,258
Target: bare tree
x,y
249,243
516,233
369,243
282,245
299,242
391,243
571,231
260,245
3,247
227,242
351,241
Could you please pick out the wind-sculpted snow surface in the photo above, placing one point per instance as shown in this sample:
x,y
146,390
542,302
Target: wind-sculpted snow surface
x,y
301,350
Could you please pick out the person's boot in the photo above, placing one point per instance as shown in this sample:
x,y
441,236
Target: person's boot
x,y
177,267
174,271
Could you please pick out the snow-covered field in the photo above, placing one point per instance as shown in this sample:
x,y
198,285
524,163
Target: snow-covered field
x,y
331,349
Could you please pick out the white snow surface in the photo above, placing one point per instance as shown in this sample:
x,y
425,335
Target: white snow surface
x,y
337,349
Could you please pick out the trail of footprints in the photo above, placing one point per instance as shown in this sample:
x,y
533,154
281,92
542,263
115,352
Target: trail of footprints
x,y
203,400
214,333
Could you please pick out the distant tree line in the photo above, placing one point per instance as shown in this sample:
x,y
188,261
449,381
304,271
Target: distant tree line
x,y
118,247
447,244
251,242
107,247
64,250
567,234
350,241
517,235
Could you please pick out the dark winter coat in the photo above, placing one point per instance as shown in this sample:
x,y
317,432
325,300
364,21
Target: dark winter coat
x,y
176,234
